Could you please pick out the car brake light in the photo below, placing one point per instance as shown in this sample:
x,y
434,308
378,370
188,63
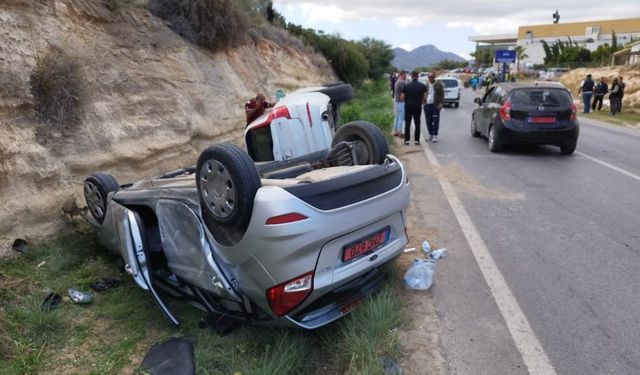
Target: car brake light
x,y
505,111
290,294
279,112
574,112
286,218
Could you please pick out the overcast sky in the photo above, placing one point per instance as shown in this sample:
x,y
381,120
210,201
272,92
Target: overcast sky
x,y
447,24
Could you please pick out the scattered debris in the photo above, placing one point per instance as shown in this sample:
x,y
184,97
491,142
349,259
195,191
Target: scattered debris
x,y
51,301
174,356
409,250
19,245
437,254
41,264
81,298
420,274
390,366
426,246
105,283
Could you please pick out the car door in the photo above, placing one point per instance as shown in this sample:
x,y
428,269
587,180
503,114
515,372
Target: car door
x,y
484,113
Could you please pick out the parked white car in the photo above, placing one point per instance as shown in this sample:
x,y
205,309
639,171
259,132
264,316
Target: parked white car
x,y
451,90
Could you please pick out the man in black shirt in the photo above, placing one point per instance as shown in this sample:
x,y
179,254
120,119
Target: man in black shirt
x,y
413,95
601,90
586,88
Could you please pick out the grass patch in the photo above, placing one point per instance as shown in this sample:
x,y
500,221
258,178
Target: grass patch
x,y
372,103
630,119
112,335
55,86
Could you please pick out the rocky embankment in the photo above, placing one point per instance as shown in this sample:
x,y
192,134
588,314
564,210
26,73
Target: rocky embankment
x,y
149,102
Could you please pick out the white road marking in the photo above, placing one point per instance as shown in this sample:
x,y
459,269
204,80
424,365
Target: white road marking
x,y
530,349
611,166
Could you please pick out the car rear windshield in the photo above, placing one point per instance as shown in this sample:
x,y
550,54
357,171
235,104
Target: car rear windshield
x,y
540,96
449,82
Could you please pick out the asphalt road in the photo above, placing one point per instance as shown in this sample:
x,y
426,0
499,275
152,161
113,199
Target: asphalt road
x,y
564,231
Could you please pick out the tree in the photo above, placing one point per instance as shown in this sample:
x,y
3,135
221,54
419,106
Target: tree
x,y
520,55
379,55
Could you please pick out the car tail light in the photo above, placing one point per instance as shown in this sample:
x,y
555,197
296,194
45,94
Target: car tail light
x,y
574,112
286,218
279,112
505,111
290,294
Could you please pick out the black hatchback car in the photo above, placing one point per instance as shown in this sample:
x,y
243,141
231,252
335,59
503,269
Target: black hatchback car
x,y
525,113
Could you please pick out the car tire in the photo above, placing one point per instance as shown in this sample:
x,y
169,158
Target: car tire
x,y
568,149
374,147
338,93
227,182
474,129
96,190
494,140
457,104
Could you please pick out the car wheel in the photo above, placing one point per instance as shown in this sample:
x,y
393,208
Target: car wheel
x,y
227,182
338,93
457,104
474,129
568,149
494,141
96,189
371,146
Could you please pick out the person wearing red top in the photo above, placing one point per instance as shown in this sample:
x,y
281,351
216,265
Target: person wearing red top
x,y
255,107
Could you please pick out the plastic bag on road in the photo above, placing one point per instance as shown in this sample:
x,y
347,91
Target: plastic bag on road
x,y
420,274
437,254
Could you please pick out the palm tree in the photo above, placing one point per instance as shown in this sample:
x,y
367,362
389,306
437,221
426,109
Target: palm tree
x,y
520,55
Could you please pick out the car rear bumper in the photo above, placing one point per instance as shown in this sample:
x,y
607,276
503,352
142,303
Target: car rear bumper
x,y
512,135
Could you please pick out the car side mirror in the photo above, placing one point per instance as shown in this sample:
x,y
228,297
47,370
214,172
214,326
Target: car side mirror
x,y
478,101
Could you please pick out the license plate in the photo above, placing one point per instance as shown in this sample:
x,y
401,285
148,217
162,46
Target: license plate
x,y
542,120
365,245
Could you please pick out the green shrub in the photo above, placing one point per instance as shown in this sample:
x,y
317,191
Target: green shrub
x,y
213,24
55,86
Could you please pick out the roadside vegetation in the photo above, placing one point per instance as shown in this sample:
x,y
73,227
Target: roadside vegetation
x,y
55,86
372,102
626,118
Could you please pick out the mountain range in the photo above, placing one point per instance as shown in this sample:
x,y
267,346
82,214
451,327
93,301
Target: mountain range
x,y
426,55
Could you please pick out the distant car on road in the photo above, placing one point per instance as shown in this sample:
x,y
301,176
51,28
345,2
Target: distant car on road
x,y
524,113
451,90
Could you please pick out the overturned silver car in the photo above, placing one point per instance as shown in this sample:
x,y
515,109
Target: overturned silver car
x,y
298,242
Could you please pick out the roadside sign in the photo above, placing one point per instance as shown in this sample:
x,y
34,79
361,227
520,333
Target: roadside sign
x,y
505,56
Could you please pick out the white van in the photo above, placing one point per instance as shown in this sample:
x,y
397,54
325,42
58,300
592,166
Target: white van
x,y
451,90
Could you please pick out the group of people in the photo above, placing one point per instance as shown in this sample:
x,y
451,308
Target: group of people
x,y
589,89
410,98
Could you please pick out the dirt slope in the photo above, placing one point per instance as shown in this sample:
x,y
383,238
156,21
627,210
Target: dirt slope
x,y
630,74
150,102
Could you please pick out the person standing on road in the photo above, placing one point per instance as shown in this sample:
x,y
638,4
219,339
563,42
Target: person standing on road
x,y
474,82
586,88
392,83
413,96
398,129
433,106
614,96
601,90
622,86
